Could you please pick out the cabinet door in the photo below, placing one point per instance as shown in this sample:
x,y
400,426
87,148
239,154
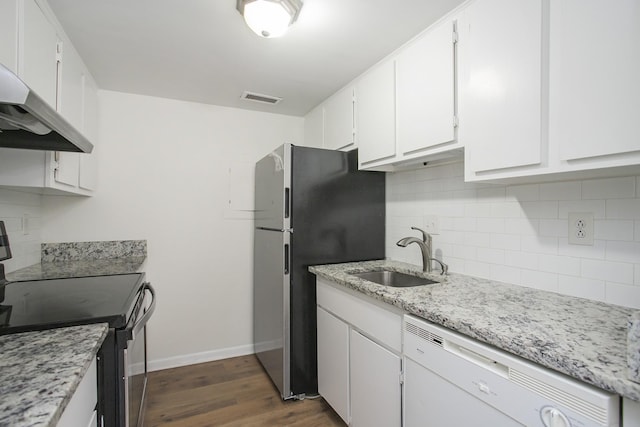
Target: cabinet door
x,y
375,115
375,384
501,121
594,84
9,34
314,128
88,179
333,362
37,59
425,84
338,120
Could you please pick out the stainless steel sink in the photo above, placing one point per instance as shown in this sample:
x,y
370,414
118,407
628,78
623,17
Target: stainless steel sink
x,y
394,279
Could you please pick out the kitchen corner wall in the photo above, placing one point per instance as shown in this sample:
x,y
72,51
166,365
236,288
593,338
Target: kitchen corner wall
x,y
519,233
22,216
164,176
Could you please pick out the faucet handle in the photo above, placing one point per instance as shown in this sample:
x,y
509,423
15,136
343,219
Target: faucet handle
x,y
425,236
445,267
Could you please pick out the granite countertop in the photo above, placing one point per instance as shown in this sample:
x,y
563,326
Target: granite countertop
x,y
582,338
77,268
40,371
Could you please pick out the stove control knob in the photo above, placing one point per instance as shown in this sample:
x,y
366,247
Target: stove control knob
x,y
552,417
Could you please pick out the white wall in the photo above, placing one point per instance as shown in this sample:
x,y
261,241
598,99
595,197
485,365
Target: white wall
x,y
22,214
163,177
518,233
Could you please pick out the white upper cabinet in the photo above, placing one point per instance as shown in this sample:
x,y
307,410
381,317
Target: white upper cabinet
x,y
48,63
594,84
339,132
9,34
314,127
88,176
425,91
38,52
375,115
500,120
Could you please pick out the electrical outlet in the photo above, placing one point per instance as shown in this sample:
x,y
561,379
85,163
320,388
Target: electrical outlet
x,y
580,228
431,224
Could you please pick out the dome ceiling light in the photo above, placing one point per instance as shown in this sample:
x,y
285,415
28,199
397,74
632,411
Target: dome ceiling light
x,y
269,18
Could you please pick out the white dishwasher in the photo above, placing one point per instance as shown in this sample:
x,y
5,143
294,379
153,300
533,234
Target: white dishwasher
x,y
454,381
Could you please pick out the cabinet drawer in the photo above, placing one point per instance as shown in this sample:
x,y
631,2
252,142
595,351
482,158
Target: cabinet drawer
x,y
374,318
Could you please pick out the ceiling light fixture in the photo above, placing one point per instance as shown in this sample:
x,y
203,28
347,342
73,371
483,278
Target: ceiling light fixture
x,y
269,18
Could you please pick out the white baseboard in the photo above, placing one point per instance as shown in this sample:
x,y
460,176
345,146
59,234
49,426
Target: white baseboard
x,y
205,356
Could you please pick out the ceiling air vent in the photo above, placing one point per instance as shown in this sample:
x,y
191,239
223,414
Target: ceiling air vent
x,y
258,97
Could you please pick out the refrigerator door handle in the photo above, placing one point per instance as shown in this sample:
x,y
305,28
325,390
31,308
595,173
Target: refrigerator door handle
x,y
287,203
286,259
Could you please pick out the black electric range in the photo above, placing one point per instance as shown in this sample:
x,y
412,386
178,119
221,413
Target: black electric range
x,y
124,301
53,303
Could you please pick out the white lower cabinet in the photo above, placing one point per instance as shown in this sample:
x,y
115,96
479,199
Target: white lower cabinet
x,y
359,361
81,409
374,376
333,362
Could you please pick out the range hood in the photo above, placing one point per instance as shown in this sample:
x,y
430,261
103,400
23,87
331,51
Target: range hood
x,y
26,121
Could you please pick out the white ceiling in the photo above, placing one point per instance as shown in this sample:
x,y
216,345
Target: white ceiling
x,y
201,50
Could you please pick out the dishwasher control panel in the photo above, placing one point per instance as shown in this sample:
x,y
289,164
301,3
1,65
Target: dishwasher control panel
x,y
499,385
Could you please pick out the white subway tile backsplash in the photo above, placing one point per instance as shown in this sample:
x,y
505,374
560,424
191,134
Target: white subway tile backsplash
x,y
582,287
612,271
523,193
478,210
540,280
622,294
610,188
489,255
596,207
570,190
623,251
540,210
518,233
490,225
540,244
596,251
465,224
623,209
464,251
522,226
613,230
482,240
554,227
505,241
506,210
491,194
22,214
503,273
519,259
476,268
559,264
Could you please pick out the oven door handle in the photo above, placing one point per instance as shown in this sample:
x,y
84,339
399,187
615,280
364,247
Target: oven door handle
x,y
142,321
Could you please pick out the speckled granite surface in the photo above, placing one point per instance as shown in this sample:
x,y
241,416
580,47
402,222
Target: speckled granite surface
x,y
633,347
80,259
76,251
81,268
581,338
40,371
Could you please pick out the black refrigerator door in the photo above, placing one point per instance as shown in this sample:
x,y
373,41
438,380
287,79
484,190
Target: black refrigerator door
x,y
273,189
338,215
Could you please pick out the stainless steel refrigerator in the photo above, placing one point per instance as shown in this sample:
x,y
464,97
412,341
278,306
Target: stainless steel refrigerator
x,y
313,207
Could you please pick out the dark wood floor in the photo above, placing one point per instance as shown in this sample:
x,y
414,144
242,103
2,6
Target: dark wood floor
x,y
230,392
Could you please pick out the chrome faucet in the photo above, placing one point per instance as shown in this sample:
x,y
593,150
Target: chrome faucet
x,y
426,249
